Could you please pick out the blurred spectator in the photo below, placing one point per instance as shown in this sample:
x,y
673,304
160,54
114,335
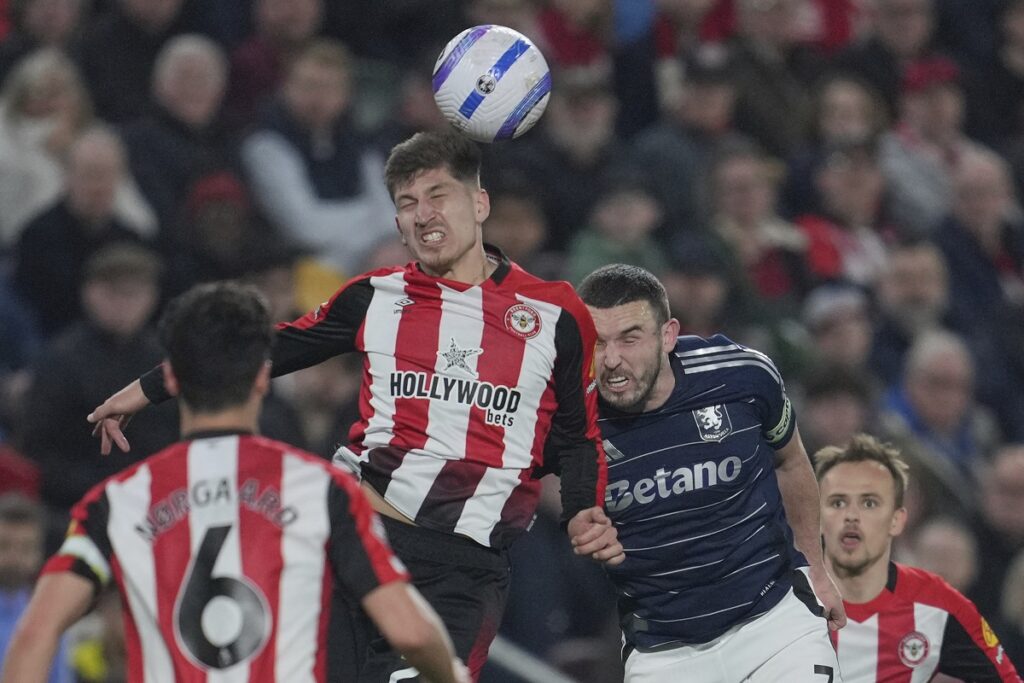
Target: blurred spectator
x,y
771,77
415,109
995,92
178,140
518,227
44,109
118,51
217,231
838,318
934,405
946,546
825,25
697,112
54,247
678,27
108,349
620,230
327,402
837,403
846,240
22,531
311,173
577,142
901,33
19,342
258,66
1000,529
845,108
39,23
769,253
983,240
921,154
516,14
913,297
577,33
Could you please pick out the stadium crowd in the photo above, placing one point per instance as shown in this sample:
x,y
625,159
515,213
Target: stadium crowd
x,y
833,182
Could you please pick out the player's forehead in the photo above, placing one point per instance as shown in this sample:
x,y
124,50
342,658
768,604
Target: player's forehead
x,y
857,479
427,179
616,320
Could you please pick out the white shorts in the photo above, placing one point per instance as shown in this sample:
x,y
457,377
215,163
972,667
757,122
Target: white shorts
x,y
787,644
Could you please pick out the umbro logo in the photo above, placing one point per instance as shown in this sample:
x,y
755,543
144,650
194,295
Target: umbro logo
x,y
400,304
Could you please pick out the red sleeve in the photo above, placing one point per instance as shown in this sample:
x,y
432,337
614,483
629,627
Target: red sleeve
x,y
358,547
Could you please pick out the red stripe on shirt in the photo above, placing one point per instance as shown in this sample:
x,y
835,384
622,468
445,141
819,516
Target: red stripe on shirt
x,y
500,364
893,626
416,348
132,642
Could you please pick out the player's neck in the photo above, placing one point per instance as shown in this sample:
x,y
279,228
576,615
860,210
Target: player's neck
x,y
243,418
865,586
472,269
663,387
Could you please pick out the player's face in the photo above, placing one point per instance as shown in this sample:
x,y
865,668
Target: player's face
x,y
439,218
630,355
21,553
859,517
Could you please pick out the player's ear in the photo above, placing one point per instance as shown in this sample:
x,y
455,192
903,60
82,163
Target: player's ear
x,y
899,522
483,205
170,380
261,385
669,334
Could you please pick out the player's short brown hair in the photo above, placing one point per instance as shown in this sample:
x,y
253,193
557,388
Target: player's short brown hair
x,y
865,448
429,150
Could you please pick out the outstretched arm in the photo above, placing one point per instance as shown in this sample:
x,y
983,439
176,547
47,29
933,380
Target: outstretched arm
x,y
799,491
112,416
60,599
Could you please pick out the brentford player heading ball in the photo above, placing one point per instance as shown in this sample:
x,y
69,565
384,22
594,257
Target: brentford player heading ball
x,y
491,83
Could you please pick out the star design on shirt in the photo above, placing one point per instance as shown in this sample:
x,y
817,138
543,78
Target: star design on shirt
x,y
455,357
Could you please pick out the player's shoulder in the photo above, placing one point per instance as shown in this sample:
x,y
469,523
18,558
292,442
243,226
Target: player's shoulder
x,y
923,586
719,354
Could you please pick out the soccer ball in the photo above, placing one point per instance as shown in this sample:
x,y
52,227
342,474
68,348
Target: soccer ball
x,y
491,83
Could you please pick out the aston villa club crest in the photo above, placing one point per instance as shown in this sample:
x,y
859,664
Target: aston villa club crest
x,y
913,648
713,422
523,321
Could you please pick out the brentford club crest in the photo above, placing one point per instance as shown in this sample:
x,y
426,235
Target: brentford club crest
x,y
913,648
523,321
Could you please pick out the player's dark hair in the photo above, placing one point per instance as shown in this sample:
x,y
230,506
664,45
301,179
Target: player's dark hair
x,y
217,337
429,150
619,284
865,448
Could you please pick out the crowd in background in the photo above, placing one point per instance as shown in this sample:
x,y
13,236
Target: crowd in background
x,y
833,182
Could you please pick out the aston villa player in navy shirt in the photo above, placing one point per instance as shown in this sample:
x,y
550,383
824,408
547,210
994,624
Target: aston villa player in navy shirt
x,y
714,498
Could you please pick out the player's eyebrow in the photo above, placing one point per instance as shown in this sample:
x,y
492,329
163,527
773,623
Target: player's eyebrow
x,y
630,330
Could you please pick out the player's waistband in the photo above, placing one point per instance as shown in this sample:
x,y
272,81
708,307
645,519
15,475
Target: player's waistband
x,y
442,547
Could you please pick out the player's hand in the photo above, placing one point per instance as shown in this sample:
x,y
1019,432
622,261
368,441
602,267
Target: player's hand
x,y
825,588
113,416
461,671
593,535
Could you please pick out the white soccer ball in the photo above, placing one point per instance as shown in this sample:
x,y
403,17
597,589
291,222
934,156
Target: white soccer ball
x,y
491,83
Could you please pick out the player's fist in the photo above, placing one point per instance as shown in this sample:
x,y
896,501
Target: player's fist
x,y
593,535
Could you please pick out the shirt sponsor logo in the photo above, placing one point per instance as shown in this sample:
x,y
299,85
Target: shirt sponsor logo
x,y
523,321
913,648
619,495
713,422
497,400
455,357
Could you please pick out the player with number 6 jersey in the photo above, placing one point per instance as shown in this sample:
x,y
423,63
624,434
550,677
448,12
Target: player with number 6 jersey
x,y
226,547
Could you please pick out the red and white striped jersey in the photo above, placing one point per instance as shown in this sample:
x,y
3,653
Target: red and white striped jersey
x,y
225,549
919,626
467,393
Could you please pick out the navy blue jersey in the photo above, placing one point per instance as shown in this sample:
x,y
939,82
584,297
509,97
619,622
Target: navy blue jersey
x,y
693,492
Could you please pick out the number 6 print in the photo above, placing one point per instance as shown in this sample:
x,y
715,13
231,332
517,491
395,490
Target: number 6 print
x,y
201,588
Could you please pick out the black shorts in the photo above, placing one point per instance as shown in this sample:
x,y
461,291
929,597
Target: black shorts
x,y
466,584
